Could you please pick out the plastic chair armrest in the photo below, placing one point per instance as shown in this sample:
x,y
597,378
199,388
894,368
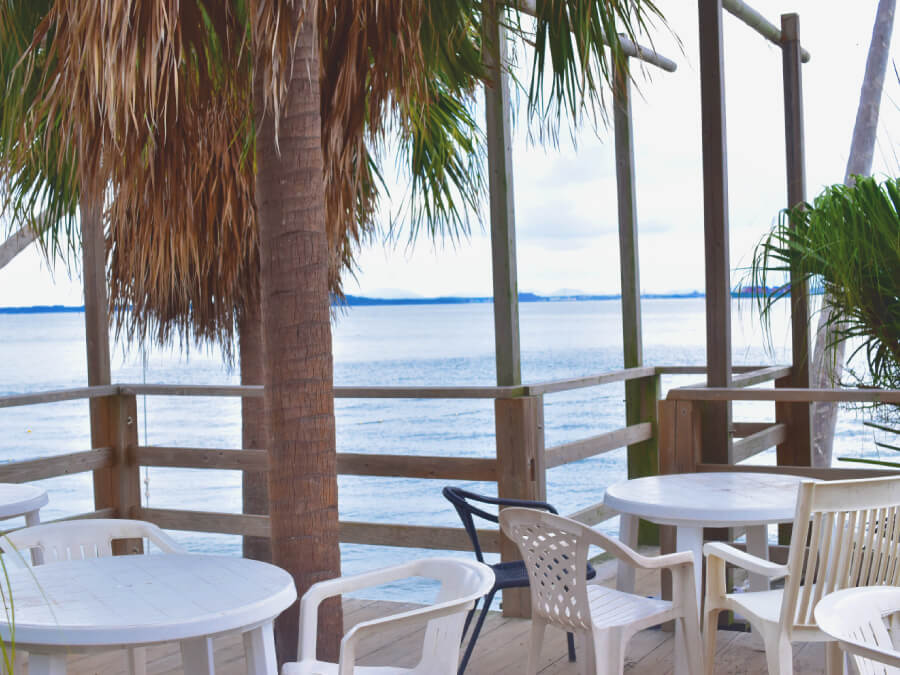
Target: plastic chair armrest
x,y
414,617
628,555
745,560
317,593
165,543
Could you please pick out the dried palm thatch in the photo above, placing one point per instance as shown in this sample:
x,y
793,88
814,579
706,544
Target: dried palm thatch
x,y
145,106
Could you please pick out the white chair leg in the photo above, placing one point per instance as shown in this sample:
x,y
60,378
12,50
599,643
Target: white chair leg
x,y
689,650
259,647
535,642
608,655
137,661
710,629
834,659
779,654
46,664
197,656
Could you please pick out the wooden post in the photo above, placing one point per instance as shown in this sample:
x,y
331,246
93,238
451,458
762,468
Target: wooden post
x,y
717,416
120,432
521,473
797,448
96,324
500,175
680,438
641,395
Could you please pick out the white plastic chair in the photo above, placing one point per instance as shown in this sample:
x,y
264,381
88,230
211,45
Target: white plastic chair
x,y
555,551
462,583
80,539
855,617
852,528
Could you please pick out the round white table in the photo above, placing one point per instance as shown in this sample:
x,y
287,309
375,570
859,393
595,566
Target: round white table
x,y
136,600
22,500
692,501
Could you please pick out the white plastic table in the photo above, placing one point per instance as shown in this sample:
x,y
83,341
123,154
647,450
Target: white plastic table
x,y
135,600
22,500
692,501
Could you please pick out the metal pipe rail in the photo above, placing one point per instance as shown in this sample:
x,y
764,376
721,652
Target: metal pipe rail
x,y
636,51
759,23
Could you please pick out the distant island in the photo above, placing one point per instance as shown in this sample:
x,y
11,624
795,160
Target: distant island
x,y
363,301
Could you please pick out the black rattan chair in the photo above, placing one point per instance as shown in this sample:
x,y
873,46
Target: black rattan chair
x,y
510,574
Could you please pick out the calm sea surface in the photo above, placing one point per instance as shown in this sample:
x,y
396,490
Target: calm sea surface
x,y
435,345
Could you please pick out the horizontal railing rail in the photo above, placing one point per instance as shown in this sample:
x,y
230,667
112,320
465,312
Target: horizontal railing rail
x,y
129,456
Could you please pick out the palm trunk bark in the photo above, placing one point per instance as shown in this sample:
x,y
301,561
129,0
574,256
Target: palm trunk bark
x,y
299,395
255,492
828,357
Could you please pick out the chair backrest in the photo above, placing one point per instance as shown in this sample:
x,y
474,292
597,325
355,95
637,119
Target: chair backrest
x,y
555,553
79,539
855,617
462,502
846,534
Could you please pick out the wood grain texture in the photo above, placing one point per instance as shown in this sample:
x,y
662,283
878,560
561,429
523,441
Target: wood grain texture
x,y
202,458
522,473
566,453
59,465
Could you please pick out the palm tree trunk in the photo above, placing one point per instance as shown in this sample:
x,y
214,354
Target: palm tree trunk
x,y
828,357
254,489
299,395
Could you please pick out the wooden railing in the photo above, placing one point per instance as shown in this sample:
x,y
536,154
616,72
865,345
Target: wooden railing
x,y
519,466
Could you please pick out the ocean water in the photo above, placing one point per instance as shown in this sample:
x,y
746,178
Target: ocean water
x,y
436,345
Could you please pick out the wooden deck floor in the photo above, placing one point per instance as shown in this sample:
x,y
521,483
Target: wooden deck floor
x,y
501,649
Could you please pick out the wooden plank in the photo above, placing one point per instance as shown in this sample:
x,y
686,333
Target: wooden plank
x,y
590,381
595,445
755,377
521,473
240,390
206,521
417,466
679,436
498,130
59,465
744,429
761,440
252,391
787,394
696,370
759,23
56,396
202,458
417,536
641,399
716,417
811,472
594,514
429,392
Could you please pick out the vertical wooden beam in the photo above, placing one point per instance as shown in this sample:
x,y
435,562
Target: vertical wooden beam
x,y
717,416
127,471
522,473
628,227
797,449
500,181
640,395
96,324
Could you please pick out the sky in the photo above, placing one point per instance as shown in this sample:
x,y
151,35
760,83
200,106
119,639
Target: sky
x,y
565,200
